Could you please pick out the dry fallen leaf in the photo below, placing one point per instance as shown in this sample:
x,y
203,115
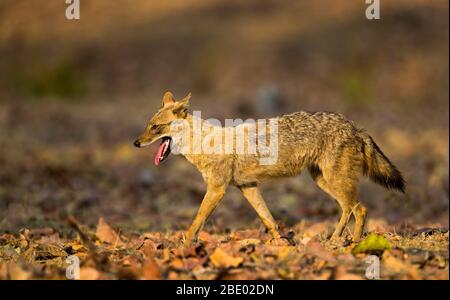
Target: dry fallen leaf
x,y
166,255
206,237
315,229
177,264
185,252
285,252
148,247
315,248
342,273
15,272
221,259
245,234
151,270
106,234
392,264
88,273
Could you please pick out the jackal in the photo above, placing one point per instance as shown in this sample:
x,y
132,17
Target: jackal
x,y
333,149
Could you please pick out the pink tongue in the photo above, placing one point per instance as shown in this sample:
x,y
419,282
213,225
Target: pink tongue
x,y
159,153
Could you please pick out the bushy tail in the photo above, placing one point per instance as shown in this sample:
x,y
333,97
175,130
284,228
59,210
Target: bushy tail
x,y
379,168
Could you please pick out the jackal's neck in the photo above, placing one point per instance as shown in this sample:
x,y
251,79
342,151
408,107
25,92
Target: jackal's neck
x,y
190,118
198,129
193,118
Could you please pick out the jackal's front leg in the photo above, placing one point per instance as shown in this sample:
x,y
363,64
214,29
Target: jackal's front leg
x,y
253,196
212,198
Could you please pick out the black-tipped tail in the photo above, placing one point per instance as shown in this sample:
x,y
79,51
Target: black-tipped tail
x,y
379,168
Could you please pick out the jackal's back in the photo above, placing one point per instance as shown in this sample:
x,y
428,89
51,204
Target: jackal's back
x,y
324,142
304,139
311,137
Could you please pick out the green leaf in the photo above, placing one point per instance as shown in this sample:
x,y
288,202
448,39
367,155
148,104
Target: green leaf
x,y
372,243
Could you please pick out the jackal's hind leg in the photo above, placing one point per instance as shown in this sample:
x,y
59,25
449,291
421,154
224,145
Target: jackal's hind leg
x,y
360,213
253,196
342,200
345,216
343,189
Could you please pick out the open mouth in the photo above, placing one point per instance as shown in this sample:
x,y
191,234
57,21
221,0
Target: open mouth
x,y
163,150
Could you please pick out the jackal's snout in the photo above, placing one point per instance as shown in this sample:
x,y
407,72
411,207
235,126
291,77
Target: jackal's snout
x,y
137,143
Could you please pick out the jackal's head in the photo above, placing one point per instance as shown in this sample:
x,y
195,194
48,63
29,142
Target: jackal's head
x,y
159,126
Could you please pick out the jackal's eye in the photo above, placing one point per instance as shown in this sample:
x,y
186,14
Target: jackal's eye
x,y
154,127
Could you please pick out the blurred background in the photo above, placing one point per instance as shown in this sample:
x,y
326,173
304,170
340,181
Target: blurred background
x,y
74,95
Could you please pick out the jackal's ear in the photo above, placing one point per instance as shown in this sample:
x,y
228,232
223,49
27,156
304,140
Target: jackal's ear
x,y
180,107
167,99
185,100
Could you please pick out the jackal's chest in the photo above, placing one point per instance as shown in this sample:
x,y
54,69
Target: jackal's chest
x,y
215,169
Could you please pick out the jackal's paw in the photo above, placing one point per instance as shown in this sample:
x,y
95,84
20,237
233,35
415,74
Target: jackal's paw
x,y
190,242
357,239
341,241
281,241
187,241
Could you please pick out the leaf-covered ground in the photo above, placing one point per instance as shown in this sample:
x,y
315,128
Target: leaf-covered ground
x,y
83,172
303,253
